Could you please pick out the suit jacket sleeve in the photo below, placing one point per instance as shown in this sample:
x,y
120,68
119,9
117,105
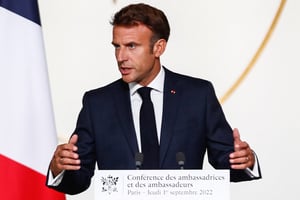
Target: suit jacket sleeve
x,y
74,182
219,137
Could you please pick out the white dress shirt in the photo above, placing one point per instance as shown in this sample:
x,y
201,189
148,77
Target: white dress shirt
x,y
157,92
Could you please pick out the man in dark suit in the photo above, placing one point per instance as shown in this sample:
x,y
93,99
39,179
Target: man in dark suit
x,y
188,116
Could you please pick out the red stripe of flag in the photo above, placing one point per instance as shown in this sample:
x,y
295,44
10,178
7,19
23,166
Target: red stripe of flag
x,y
20,182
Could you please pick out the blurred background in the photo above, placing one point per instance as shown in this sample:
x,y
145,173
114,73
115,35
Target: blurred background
x,y
211,39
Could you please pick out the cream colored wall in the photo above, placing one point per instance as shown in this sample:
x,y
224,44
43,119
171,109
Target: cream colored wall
x,y
211,39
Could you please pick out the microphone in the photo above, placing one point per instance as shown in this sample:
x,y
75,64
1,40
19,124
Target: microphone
x,y
180,158
139,158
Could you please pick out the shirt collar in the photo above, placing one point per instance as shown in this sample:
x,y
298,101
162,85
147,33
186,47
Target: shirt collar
x,y
157,83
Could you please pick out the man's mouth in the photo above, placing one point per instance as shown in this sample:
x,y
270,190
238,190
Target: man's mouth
x,y
125,70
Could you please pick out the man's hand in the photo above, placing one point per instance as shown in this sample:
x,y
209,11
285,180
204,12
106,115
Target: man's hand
x,y
242,157
65,157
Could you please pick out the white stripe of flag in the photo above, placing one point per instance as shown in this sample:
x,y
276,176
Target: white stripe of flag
x,y
28,135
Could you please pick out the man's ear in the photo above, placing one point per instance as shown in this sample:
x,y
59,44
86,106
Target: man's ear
x,y
159,47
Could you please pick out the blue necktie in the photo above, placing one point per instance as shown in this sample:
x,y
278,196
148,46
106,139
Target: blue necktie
x,y
149,140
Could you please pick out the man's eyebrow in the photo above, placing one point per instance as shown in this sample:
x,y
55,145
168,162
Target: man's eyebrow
x,y
115,44
126,44
132,42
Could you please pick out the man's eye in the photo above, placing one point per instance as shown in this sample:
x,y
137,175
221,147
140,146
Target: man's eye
x,y
131,46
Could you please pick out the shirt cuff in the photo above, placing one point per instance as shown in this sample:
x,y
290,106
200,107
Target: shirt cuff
x,y
55,181
254,172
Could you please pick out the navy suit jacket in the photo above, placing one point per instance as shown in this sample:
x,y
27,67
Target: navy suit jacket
x,y
193,123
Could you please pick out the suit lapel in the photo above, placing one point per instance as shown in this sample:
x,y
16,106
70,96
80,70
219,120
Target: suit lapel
x,y
172,96
124,113
170,107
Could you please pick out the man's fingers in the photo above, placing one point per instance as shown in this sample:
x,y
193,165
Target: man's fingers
x,y
68,150
59,164
236,135
241,163
67,153
64,150
240,166
243,145
242,159
68,161
73,139
65,157
240,153
238,143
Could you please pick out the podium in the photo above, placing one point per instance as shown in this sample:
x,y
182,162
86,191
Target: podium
x,y
162,185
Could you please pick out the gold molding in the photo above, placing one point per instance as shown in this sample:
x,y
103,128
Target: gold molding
x,y
254,59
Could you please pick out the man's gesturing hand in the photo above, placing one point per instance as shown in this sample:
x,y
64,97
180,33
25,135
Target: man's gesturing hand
x,y
65,157
242,157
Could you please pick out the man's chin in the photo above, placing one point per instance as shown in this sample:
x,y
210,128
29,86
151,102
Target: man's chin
x,y
127,79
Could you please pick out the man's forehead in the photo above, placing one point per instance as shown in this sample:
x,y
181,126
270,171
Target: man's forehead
x,y
134,27
131,32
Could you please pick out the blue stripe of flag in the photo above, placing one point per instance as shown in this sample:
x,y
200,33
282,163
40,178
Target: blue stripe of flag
x,y
26,8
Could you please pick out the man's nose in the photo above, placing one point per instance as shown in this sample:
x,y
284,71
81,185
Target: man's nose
x,y
121,54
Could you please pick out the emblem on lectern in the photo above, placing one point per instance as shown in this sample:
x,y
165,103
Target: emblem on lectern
x,y
109,184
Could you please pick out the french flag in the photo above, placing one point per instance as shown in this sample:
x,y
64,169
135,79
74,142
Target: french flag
x,y
27,129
